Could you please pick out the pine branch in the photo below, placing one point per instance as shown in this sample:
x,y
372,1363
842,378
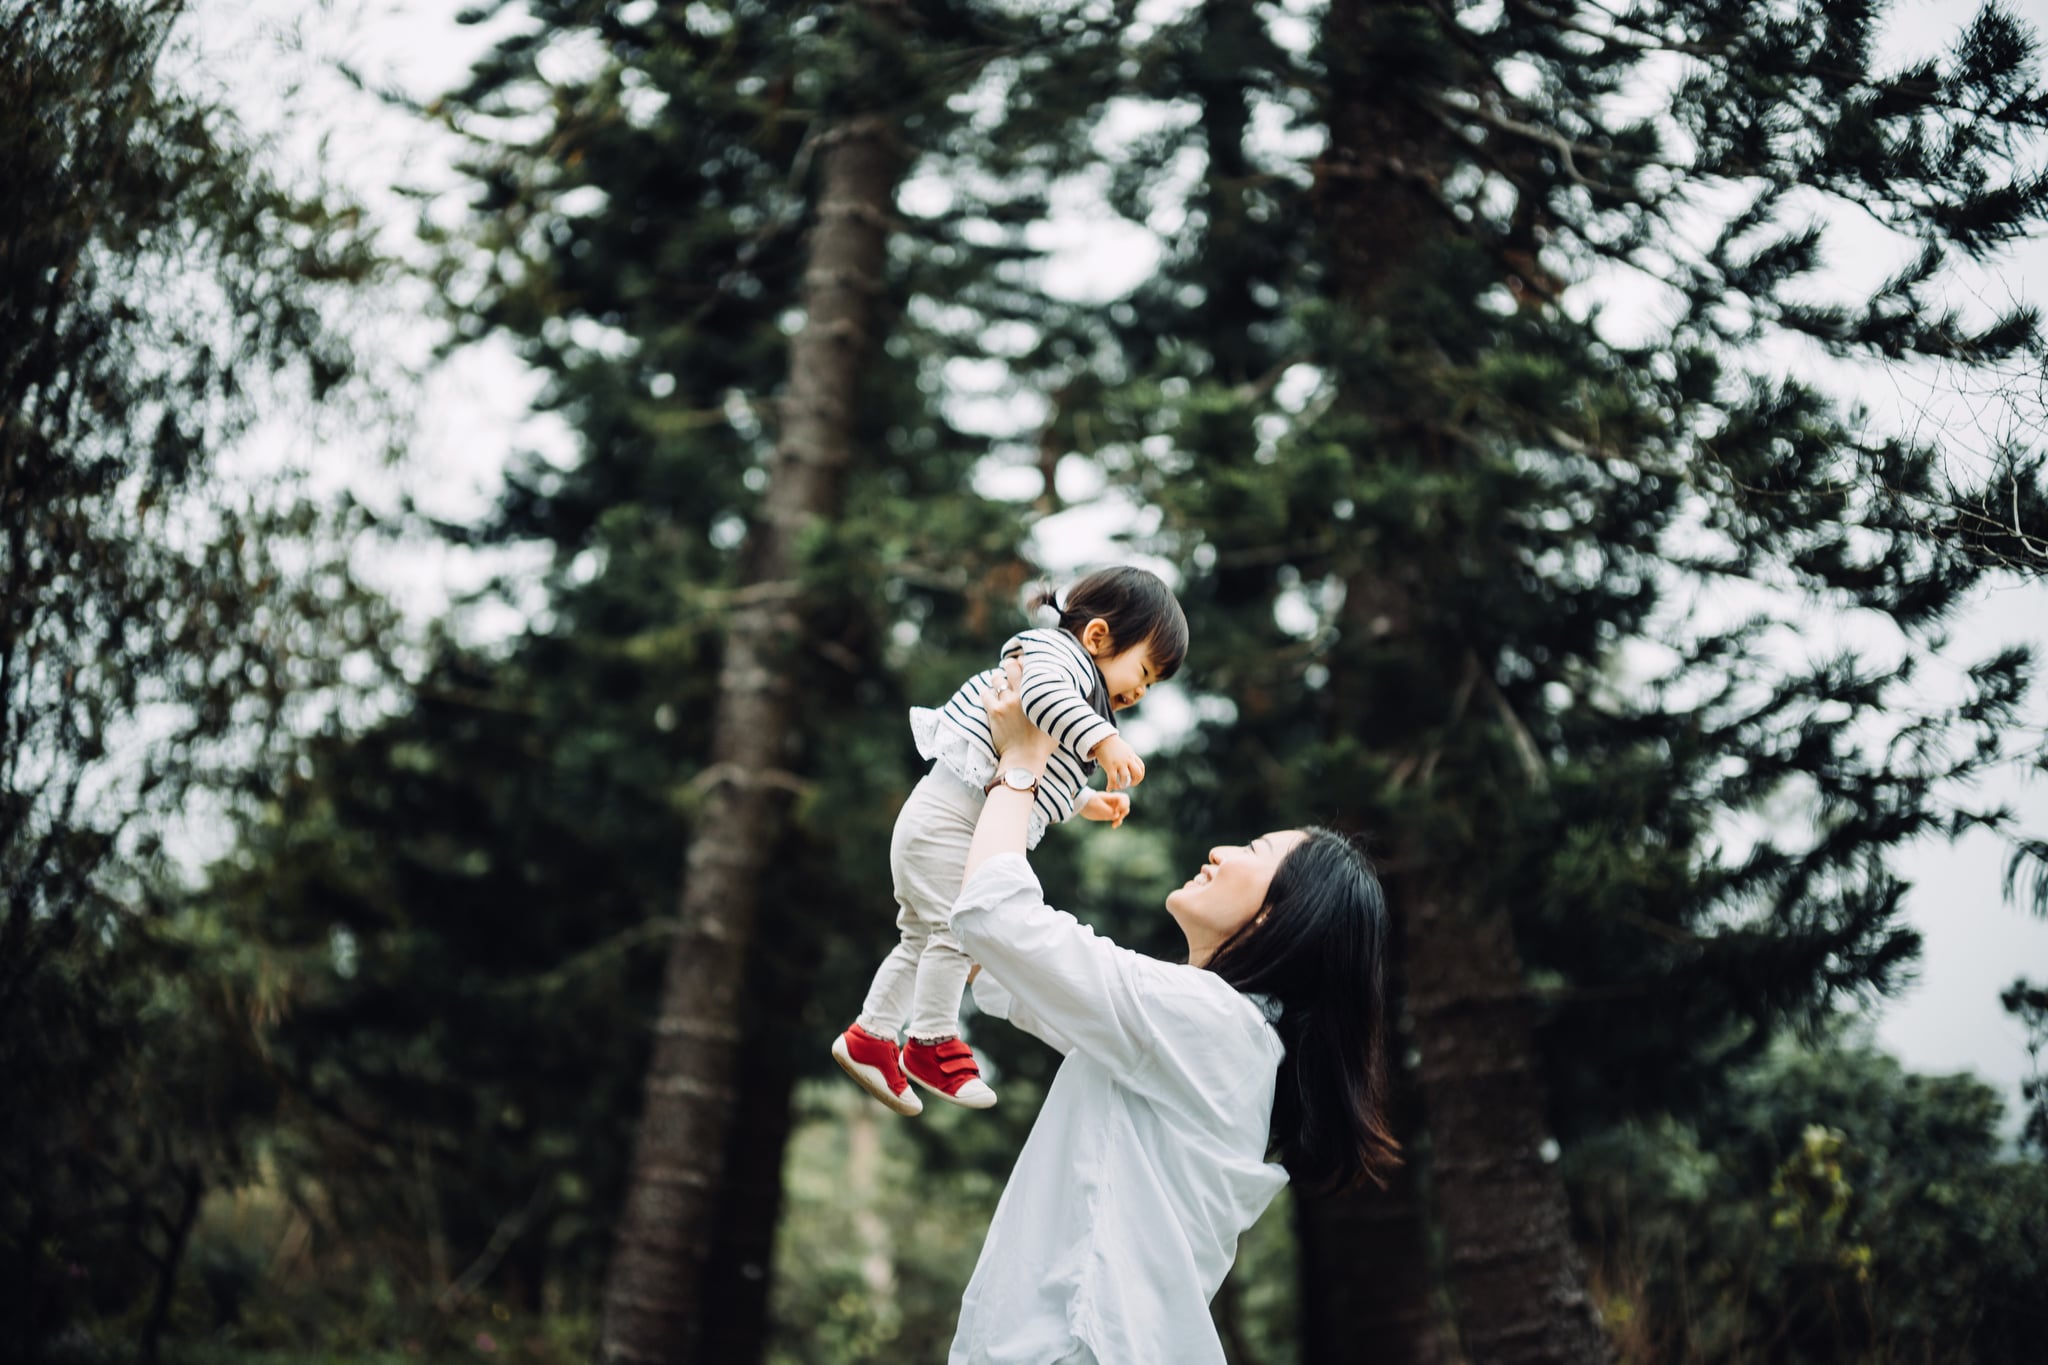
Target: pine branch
x,y
734,775
1650,41
1525,744
503,1236
617,946
1549,137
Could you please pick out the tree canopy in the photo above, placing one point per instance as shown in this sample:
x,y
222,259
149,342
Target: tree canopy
x,y
1478,405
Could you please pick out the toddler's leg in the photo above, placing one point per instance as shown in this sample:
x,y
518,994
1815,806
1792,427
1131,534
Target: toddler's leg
x,y
935,1057
889,996
868,1051
927,855
926,858
941,980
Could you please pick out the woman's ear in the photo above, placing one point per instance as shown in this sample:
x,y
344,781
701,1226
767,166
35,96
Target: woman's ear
x,y
1095,637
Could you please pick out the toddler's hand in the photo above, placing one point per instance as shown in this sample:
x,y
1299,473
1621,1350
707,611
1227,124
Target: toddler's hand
x,y
1120,763
1110,806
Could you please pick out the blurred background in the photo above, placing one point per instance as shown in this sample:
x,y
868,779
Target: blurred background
x,y
480,486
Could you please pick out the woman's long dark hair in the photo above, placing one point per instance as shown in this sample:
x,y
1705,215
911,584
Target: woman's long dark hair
x,y
1138,608
1317,948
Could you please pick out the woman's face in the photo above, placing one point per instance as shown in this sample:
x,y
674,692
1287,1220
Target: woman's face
x,y
1230,889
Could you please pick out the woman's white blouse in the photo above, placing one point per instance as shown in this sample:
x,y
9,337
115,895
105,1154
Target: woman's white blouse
x,y
1148,1160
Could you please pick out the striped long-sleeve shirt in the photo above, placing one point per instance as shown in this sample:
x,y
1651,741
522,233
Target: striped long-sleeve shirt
x,y
1063,694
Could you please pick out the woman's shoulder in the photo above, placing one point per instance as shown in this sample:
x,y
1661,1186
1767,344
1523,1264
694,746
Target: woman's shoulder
x,y
1214,1039
1199,996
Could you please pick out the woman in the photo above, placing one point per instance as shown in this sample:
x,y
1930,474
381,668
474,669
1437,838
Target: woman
x,y
1149,1158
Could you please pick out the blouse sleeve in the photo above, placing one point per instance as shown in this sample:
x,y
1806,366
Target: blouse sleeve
x,y
993,998
1062,980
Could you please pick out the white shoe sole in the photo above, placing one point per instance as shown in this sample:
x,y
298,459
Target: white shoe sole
x,y
872,1080
984,1099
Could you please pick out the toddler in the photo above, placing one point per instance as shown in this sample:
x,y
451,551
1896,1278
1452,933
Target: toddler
x,y
1119,632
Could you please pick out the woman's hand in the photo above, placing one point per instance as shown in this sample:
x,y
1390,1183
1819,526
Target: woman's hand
x,y
1005,819
1017,741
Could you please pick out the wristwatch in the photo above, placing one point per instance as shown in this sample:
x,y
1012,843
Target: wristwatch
x,y
1016,779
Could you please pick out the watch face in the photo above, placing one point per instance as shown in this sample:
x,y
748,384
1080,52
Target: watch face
x,y
1018,779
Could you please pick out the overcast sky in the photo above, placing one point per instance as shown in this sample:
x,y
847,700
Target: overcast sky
x,y
275,59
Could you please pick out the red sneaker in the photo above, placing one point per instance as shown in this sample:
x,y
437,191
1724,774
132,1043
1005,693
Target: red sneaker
x,y
872,1062
949,1071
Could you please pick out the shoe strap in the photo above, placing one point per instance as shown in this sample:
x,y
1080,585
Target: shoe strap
x,y
956,1058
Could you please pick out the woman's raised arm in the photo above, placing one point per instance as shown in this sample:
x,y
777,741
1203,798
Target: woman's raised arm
x,y
1075,989
1006,815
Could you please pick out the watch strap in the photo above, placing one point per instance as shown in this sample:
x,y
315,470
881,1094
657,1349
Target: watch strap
x,y
999,781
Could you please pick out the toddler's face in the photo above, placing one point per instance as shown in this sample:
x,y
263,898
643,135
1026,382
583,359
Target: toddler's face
x,y
1128,675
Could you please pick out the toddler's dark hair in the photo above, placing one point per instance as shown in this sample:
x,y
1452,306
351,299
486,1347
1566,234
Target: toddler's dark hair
x,y
1137,606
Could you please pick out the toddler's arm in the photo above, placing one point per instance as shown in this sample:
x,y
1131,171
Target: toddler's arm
x,y
1120,762
1109,806
1056,698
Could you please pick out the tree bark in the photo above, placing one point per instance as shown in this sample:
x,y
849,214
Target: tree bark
x,y
739,1274
1237,248
863,1181
654,1299
1508,1262
1515,1274
1368,1278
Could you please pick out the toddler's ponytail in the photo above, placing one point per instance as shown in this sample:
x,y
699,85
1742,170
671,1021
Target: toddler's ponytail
x,y
1046,611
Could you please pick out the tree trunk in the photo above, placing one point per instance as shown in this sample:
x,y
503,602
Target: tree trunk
x,y
739,1275
1515,1274
654,1308
1508,1261
1368,1282
1236,251
740,1271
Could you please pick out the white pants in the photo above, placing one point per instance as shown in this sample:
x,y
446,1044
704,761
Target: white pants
x,y
923,978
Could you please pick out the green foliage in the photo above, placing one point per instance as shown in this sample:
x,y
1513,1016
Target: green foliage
x,y
471,899
158,632
458,902
1441,556
2029,1004
1459,579
1830,1207
875,1248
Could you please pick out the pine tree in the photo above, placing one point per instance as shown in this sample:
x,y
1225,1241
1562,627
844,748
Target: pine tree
x,y
666,1236
643,244
452,905
159,292
1420,589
